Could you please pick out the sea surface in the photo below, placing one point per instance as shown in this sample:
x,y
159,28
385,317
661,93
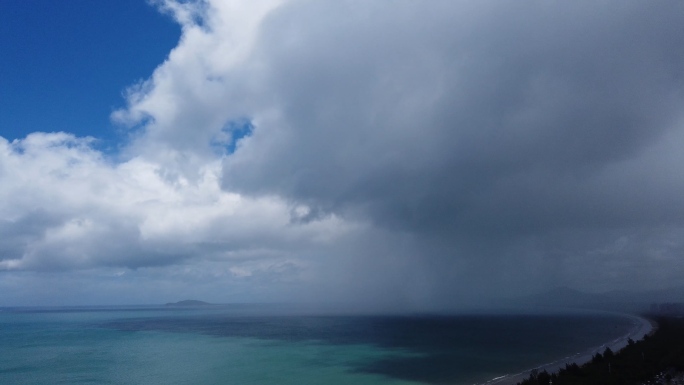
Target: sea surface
x,y
241,344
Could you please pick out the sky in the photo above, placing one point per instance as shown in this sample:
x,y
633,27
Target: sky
x,y
405,154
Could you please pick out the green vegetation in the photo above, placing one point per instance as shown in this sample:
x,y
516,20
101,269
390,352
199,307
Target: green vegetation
x,y
638,363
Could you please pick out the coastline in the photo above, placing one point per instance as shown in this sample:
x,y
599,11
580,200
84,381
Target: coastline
x,y
642,327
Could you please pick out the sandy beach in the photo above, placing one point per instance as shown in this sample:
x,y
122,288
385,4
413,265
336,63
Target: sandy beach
x,y
642,327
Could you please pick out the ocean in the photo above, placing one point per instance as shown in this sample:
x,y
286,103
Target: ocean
x,y
249,344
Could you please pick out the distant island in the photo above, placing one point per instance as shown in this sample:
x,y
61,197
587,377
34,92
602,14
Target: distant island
x,y
189,302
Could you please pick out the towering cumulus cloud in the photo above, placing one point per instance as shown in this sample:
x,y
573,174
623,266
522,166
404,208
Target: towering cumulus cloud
x,y
405,152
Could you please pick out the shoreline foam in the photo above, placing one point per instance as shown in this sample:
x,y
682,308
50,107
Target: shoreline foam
x,y
642,327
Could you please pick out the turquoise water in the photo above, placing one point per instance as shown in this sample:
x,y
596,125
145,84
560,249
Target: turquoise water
x,y
225,346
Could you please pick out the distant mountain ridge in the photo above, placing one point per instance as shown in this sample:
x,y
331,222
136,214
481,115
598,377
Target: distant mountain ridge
x,y
189,302
618,300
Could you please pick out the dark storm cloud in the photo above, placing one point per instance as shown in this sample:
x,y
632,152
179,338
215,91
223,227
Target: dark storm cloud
x,y
493,129
500,117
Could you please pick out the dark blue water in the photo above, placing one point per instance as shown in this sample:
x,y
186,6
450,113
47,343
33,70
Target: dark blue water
x,y
228,345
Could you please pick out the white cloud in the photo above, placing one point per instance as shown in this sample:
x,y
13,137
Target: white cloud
x,y
201,86
70,208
